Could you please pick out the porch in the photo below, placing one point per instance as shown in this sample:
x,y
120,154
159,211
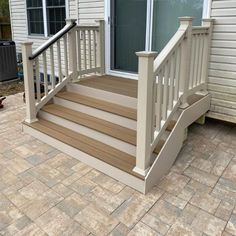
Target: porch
x,y
131,130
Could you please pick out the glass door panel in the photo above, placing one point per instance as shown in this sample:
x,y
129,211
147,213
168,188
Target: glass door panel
x,y
165,18
128,33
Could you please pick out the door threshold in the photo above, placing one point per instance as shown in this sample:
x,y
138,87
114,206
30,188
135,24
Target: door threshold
x,y
123,74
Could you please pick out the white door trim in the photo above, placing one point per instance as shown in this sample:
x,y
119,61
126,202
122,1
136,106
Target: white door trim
x,y
206,9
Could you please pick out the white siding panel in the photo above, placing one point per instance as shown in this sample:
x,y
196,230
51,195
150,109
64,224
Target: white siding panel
x,y
72,9
223,12
222,67
90,10
222,81
223,4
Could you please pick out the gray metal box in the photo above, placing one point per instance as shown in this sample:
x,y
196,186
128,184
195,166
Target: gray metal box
x,y
8,63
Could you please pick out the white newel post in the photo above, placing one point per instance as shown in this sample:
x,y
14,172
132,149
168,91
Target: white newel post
x,y
29,82
145,111
72,49
185,23
101,46
207,50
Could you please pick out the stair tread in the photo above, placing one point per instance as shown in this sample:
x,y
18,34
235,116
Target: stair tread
x,y
106,127
159,146
103,152
99,104
171,125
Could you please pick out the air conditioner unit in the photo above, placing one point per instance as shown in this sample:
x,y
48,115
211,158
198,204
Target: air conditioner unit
x,y
8,64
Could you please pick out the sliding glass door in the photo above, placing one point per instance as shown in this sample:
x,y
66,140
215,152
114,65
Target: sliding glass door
x,y
137,25
128,31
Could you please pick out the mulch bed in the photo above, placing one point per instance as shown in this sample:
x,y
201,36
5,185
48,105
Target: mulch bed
x,y
11,88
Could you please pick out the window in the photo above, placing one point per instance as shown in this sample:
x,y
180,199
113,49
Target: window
x,y
56,15
46,17
35,16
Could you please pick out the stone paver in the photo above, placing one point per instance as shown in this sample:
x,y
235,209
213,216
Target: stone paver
x,y
46,192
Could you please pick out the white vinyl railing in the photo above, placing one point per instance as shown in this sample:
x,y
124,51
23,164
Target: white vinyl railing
x,y
166,81
73,52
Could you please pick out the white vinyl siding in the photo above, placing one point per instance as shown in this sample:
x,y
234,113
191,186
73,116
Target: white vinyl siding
x,y
90,10
222,68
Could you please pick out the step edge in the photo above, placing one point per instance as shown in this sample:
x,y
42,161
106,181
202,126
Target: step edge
x,y
112,171
83,130
67,118
60,95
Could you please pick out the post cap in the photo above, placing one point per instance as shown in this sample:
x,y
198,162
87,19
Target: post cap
x,y
27,43
186,18
146,54
70,21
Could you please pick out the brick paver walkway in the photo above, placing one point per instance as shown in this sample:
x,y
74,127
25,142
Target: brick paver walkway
x,y
45,192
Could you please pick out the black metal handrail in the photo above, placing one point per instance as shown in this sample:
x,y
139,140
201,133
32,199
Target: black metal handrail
x,y
52,40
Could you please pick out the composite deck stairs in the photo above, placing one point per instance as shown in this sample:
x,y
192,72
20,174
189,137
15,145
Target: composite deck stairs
x,y
97,125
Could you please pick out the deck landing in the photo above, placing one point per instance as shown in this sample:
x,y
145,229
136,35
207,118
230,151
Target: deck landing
x,y
119,85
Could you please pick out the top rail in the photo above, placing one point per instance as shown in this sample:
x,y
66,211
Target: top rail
x,y
168,50
200,30
52,40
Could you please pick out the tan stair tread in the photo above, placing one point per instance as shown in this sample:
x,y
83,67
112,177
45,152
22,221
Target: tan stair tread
x,y
113,84
194,98
106,127
171,125
159,146
99,104
99,150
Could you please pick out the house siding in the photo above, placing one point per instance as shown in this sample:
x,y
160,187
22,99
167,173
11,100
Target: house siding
x,y
90,10
222,68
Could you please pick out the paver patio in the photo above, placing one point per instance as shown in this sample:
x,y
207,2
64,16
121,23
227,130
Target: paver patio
x,y
46,192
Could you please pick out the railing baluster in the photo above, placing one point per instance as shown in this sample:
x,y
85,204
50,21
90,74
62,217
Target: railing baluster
x,y
45,74
59,60
191,78
66,55
177,73
196,60
37,79
201,43
154,92
165,96
52,67
159,100
84,47
95,48
79,49
172,74
89,50
205,55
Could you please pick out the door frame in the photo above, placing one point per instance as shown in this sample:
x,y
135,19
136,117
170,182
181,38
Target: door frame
x,y
149,23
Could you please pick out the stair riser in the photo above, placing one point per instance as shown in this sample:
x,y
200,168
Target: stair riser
x,y
105,168
106,139
116,119
103,95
